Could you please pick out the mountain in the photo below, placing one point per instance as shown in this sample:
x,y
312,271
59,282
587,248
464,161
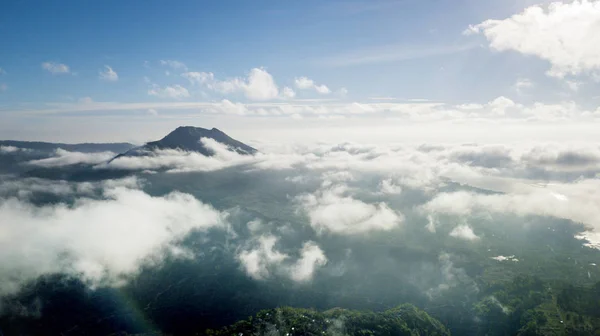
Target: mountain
x,y
83,147
187,138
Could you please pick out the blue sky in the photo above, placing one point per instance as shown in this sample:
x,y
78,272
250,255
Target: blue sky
x,y
53,54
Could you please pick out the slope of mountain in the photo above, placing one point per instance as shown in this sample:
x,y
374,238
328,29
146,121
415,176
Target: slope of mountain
x,y
83,147
187,138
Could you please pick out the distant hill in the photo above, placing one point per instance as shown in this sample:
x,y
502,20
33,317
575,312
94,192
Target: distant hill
x,y
403,320
187,138
83,147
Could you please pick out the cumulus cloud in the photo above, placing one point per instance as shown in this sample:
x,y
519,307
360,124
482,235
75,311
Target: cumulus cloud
x,y
311,258
174,92
288,93
65,158
258,85
263,260
304,83
564,34
56,68
563,157
257,261
100,240
329,210
389,187
108,74
464,232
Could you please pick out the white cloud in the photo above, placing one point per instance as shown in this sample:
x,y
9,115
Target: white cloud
x,y
573,85
577,201
258,85
8,149
503,258
311,258
522,85
174,92
501,108
183,161
564,34
304,83
108,74
177,65
390,53
288,93
452,276
98,240
64,158
330,211
56,68
464,232
262,261
258,261
199,77
151,111
388,186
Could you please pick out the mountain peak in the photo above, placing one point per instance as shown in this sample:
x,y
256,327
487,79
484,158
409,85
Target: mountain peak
x,y
187,138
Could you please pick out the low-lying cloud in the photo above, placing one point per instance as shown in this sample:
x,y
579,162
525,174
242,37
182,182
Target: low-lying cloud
x,y
331,211
64,158
99,240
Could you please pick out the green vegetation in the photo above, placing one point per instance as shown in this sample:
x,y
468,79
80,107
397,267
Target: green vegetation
x,y
530,306
402,320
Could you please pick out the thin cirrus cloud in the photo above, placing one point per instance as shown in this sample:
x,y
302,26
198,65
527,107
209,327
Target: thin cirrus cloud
x,y
174,64
390,53
564,34
500,108
56,68
108,74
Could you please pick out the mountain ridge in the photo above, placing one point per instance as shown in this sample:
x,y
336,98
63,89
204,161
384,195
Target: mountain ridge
x,y
87,147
